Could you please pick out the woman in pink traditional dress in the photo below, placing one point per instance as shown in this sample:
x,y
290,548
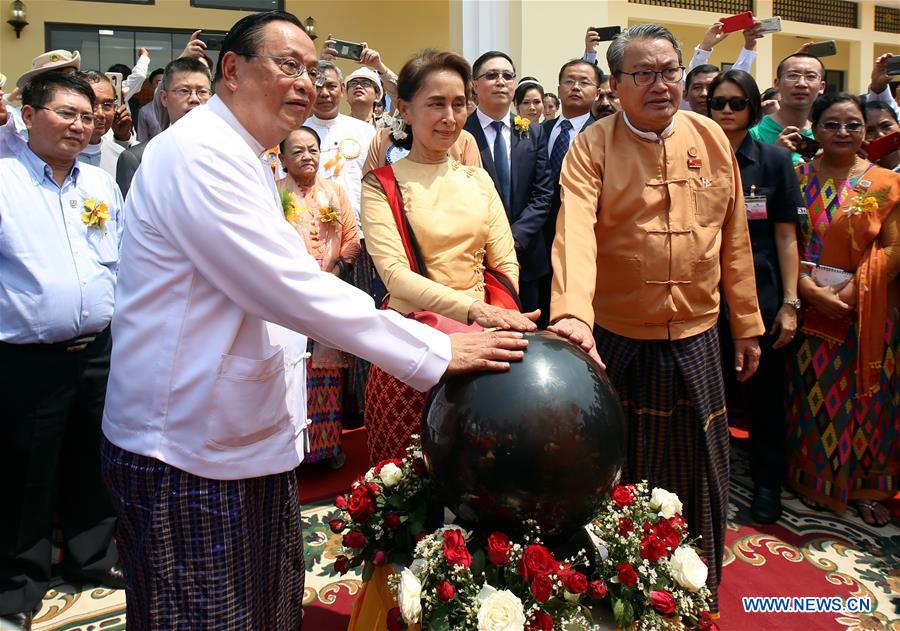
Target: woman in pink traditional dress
x,y
321,212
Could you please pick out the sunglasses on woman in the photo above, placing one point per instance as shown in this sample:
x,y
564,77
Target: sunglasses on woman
x,y
736,104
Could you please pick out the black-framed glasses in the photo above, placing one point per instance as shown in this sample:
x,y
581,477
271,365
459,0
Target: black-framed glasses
x,y
69,116
365,83
833,127
493,75
293,68
736,103
643,78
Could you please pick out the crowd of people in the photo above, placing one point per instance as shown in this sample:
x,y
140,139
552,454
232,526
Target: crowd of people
x,y
191,265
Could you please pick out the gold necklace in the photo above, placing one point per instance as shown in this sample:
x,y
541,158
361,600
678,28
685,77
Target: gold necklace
x,y
849,175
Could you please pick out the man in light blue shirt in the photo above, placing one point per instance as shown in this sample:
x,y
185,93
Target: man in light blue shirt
x,y
60,226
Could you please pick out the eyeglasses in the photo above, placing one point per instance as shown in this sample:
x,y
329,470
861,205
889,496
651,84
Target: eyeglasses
x,y
70,116
581,83
364,83
643,78
492,75
106,106
184,92
833,127
736,103
292,68
794,77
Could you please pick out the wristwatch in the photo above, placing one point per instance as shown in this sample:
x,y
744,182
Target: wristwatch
x,y
794,302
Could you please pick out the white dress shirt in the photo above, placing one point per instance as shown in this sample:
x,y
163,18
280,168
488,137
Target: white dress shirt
x,y
201,378
346,136
105,154
131,84
491,134
577,123
884,96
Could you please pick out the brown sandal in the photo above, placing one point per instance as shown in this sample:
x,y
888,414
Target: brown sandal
x,y
871,506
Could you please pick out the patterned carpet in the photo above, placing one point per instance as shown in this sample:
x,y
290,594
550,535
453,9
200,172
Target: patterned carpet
x,y
807,553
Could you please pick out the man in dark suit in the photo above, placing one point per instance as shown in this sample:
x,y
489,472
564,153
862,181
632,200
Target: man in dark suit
x,y
579,81
515,155
185,85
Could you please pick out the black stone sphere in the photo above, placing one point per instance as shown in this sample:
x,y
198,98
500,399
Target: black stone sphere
x,y
543,441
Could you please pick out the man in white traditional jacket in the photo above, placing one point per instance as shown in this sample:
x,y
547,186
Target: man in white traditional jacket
x,y
205,413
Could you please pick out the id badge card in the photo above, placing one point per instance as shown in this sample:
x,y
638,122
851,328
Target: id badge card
x,y
756,207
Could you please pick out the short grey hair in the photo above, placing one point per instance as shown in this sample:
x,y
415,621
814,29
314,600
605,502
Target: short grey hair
x,y
324,64
616,51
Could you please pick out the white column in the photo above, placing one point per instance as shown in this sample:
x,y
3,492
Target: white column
x,y
485,26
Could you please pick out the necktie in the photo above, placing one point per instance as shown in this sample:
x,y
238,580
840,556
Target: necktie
x,y
501,162
560,146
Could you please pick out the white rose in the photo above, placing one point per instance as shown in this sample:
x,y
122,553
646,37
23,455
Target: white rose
x,y
500,610
409,597
390,474
665,502
688,569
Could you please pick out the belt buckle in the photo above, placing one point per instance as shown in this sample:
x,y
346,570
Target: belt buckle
x,y
76,347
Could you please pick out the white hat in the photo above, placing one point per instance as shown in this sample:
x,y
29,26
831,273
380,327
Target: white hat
x,y
53,60
364,72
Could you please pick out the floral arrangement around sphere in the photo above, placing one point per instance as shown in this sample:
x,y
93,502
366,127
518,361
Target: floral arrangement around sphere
x,y
384,514
655,576
644,568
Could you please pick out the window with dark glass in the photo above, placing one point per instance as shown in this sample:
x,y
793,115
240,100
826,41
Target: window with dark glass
x,y
240,5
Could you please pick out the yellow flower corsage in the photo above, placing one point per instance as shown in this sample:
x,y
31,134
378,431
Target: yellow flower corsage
x,y
521,124
329,213
95,214
289,206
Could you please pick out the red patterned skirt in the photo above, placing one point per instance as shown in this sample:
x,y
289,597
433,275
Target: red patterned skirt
x,y
393,413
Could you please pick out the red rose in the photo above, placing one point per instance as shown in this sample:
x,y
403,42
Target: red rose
x,y
354,539
542,588
539,621
455,549
663,602
707,623
361,506
336,525
597,589
419,467
667,531
627,575
341,502
392,520
653,548
395,620
625,526
374,489
574,581
341,565
381,464
536,561
379,558
498,548
622,496
445,591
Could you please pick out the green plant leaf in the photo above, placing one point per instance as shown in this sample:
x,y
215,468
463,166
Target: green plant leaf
x,y
368,570
440,619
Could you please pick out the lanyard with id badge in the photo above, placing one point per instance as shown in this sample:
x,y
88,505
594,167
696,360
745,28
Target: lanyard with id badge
x,y
755,205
